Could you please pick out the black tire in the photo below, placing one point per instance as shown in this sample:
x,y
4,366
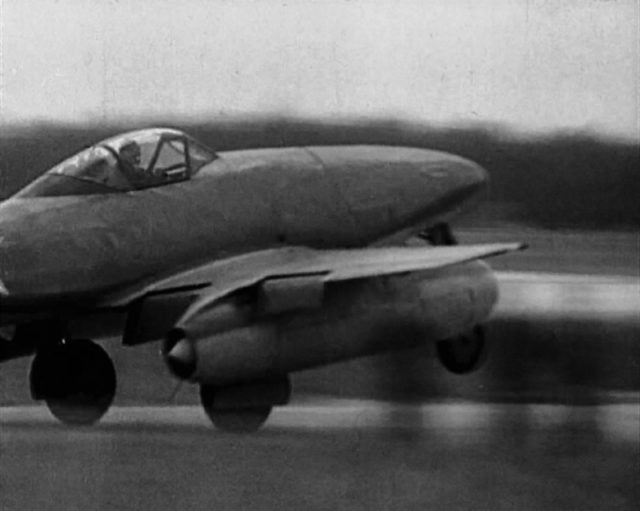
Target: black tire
x,y
463,354
76,379
233,420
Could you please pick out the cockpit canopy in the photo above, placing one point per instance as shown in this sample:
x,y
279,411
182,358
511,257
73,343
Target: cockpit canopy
x,y
132,161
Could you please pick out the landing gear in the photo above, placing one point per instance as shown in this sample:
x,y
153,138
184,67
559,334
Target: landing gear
x,y
464,353
233,420
439,235
76,379
243,408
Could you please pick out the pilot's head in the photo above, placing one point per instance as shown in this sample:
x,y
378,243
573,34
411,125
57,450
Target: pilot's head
x,y
130,152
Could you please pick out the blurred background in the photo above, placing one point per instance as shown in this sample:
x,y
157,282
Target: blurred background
x,y
542,94
544,97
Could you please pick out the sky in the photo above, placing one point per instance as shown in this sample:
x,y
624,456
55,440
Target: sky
x,y
534,64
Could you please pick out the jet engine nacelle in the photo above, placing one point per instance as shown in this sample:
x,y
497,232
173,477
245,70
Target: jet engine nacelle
x,y
229,344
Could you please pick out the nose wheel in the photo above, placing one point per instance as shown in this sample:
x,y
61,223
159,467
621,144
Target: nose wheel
x,y
464,353
76,379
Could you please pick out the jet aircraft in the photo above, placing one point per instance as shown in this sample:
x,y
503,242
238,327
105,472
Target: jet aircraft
x,y
247,266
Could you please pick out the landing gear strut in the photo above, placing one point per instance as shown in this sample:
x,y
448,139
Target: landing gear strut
x,y
243,408
439,235
76,379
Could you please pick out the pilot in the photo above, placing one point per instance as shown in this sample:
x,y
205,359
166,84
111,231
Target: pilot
x,y
130,159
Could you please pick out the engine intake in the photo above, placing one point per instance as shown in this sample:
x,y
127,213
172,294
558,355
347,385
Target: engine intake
x,y
179,354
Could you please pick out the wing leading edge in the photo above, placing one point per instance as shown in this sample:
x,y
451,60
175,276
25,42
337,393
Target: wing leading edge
x,y
220,278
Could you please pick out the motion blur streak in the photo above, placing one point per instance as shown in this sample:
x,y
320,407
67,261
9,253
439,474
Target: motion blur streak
x,y
577,296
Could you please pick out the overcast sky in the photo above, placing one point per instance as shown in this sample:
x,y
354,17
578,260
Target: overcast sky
x,y
533,64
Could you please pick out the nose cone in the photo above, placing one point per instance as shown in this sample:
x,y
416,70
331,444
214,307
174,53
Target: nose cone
x,y
179,354
397,186
5,262
446,173
447,180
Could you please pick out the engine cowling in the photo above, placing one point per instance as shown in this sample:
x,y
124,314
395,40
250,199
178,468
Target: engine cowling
x,y
234,342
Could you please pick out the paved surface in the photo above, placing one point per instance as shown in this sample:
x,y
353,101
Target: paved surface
x,y
327,455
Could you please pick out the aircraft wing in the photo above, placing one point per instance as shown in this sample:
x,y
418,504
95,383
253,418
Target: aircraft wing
x,y
281,270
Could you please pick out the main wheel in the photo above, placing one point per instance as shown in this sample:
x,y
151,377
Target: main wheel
x,y
241,419
76,379
244,407
464,353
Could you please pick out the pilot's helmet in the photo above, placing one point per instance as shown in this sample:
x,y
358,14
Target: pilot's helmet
x,y
130,151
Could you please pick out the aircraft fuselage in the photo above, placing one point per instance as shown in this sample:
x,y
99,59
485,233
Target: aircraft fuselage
x,y
71,249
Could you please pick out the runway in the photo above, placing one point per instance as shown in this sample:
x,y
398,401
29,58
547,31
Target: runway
x,y
328,454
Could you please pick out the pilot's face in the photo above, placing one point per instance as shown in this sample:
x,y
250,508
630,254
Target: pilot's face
x,y
132,154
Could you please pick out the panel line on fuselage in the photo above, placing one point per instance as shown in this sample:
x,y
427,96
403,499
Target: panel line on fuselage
x,y
329,177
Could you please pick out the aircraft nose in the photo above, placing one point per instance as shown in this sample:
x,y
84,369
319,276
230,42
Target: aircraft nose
x,y
449,178
391,187
437,185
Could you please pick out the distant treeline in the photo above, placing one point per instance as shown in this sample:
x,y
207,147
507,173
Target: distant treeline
x,y
560,180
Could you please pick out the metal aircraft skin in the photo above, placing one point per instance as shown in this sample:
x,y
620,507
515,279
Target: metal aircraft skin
x,y
248,265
